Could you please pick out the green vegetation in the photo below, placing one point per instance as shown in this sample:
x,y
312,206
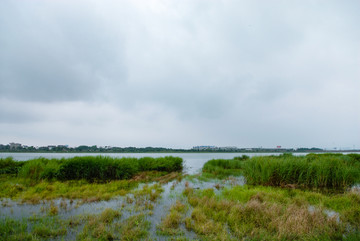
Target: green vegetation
x,y
87,178
103,226
10,166
20,189
170,224
267,214
286,198
330,171
91,168
222,168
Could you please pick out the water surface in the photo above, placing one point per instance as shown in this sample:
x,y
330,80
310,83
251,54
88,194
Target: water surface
x,y
193,162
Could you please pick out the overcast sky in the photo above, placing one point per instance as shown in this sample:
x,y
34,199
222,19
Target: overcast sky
x,y
180,73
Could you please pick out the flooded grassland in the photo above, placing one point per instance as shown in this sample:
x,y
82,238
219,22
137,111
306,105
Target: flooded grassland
x,y
258,198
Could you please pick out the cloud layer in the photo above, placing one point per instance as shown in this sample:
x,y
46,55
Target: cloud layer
x,y
180,73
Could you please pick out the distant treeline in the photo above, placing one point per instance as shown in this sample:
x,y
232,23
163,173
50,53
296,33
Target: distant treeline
x,y
90,168
96,149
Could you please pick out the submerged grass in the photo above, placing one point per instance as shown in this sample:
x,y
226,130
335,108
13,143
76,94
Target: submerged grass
x,y
20,189
34,228
170,223
269,213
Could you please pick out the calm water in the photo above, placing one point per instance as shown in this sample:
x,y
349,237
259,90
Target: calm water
x,y
193,161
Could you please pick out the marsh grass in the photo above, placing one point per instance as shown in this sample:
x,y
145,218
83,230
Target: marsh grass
x,y
267,213
9,166
33,228
319,171
21,189
135,228
221,168
146,197
100,227
330,171
90,168
28,191
170,223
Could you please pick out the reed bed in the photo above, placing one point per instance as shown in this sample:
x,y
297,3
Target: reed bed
x,y
324,171
91,168
9,166
223,168
311,171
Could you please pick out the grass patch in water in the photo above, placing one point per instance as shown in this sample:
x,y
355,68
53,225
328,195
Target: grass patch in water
x,y
134,228
270,213
325,171
33,228
319,171
100,227
20,189
170,223
90,168
221,168
27,191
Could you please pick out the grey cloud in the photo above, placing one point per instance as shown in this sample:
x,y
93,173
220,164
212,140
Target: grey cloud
x,y
228,72
55,55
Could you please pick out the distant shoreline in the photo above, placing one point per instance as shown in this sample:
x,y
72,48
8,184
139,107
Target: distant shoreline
x,y
174,151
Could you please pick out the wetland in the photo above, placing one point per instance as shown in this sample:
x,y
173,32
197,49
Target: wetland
x,y
273,197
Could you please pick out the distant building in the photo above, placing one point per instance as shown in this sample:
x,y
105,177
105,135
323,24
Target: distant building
x,y
63,146
14,146
202,148
228,148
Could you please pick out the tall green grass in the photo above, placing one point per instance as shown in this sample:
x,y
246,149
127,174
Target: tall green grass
x,y
9,166
329,170
223,168
94,168
333,171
